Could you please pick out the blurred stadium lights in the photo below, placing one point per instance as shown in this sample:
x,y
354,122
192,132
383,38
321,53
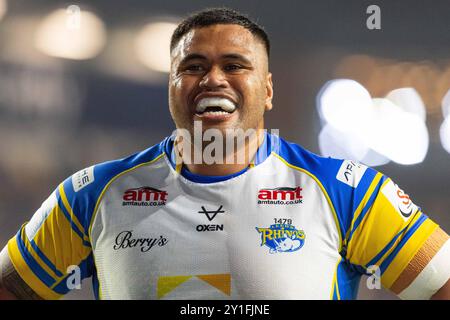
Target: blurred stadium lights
x,y
372,131
445,127
445,134
152,45
343,103
409,100
3,8
119,59
381,75
446,104
346,145
32,84
71,35
400,136
39,93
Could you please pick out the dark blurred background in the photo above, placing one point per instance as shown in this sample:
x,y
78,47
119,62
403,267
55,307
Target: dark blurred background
x,y
60,113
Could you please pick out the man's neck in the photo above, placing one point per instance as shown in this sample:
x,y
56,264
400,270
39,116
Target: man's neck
x,y
237,161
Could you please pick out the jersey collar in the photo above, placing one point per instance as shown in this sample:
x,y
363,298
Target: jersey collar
x,y
270,143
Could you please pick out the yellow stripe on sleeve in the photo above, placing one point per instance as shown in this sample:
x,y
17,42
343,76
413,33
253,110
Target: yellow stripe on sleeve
x,y
68,208
378,228
27,274
59,242
363,203
408,251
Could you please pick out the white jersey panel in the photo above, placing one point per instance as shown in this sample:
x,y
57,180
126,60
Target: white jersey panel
x,y
266,234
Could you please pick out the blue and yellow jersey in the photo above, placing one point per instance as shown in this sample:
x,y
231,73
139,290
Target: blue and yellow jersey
x,y
292,225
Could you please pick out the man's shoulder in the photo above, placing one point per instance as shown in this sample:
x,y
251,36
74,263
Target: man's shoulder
x,y
345,182
297,156
100,174
333,173
83,189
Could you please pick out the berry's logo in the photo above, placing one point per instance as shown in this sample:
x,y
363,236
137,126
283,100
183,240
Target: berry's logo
x,y
144,196
282,238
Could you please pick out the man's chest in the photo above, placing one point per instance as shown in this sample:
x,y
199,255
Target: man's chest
x,y
252,239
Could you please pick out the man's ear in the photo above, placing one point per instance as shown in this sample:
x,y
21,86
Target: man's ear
x,y
269,92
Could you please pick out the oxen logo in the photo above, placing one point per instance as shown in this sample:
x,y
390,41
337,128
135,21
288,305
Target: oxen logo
x,y
282,238
210,214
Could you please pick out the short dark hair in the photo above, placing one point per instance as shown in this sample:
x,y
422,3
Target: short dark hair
x,y
213,16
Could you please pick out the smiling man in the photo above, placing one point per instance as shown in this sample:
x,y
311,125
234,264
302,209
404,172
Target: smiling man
x,y
282,223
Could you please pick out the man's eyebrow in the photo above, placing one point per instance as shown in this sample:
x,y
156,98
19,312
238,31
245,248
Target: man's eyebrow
x,y
236,56
231,56
193,56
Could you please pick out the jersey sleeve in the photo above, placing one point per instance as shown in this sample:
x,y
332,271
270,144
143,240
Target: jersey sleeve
x,y
392,238
53,249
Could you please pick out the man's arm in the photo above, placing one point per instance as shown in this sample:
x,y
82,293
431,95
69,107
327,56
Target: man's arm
x,y
11,284
443,293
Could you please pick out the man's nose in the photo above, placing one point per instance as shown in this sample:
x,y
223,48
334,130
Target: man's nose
x,y
213,78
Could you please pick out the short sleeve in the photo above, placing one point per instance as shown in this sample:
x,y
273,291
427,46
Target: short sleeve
x,y
387,233
53,245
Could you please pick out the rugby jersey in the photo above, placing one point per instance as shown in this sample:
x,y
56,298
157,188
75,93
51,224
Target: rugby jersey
x,y
293,225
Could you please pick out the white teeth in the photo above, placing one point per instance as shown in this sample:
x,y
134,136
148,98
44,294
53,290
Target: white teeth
x,y
225,104
214,112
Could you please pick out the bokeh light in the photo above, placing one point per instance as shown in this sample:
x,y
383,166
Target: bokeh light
x,y
446,104
152,45
445,134
71,35
398,135
3,8
372,131
409,100
343,102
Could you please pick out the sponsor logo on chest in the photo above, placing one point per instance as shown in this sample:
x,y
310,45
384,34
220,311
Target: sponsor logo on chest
x,y
210,214
280,196
282,238
127,240
144,196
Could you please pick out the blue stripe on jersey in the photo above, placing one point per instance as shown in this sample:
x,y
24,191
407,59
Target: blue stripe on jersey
x,y
45,259
83,202
32,263
386,248
86,271
366,208
348,280
72,224
360,191
385,264
95,285
208,179
335,295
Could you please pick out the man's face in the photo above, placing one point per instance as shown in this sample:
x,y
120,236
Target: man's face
x,y
219,76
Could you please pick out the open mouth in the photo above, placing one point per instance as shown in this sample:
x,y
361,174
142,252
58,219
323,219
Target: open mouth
x,y
215,106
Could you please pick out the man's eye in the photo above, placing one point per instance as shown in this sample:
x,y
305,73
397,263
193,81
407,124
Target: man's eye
x,y
194,68
233,67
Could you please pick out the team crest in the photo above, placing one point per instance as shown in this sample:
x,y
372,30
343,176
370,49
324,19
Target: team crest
x,y
282,238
